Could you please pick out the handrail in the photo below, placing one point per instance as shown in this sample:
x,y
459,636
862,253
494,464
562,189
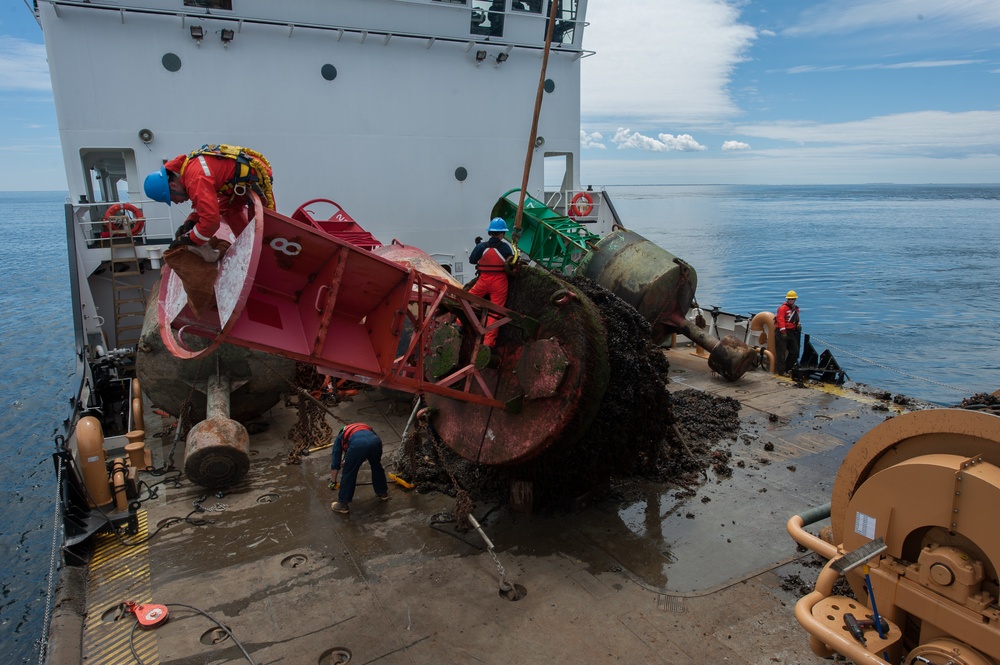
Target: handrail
x,y
237,20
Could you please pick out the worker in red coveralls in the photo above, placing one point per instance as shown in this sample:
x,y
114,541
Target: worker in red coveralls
x,y
490,257
789,327
217,179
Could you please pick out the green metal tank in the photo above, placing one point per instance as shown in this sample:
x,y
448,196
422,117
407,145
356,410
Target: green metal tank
x,y
661,287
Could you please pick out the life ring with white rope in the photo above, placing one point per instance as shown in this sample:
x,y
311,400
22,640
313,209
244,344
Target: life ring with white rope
x,y
578,209
113,227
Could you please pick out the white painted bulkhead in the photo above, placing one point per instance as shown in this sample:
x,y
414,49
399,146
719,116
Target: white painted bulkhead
x,y
408,107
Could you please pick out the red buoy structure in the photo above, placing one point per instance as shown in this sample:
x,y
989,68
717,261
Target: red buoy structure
x,y
288,288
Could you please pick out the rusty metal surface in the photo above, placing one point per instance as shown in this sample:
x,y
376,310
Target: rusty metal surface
x,y
217,453
289,289
542,368
415,258
569,320
259,378
654,281
732,358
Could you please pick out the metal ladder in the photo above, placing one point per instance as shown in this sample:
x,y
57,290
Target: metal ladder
x,y
128,290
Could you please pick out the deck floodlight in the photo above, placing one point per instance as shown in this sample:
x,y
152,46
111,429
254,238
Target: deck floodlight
x,y
197,32
501,57
227,35
480,55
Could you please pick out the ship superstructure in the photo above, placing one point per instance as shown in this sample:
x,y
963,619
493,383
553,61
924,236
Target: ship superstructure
x,y
413,114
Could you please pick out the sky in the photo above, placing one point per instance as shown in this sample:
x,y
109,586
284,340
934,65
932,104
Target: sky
x,y
706,91
791,92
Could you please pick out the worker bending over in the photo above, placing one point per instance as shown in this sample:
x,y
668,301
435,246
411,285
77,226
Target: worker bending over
x,y
356,444
217,179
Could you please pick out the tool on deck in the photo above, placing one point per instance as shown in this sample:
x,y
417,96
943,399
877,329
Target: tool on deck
x,y
399,481
148,615
857,626
854,626
859,556
508,589
878,619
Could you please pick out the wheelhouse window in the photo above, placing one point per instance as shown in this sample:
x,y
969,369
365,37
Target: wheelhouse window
x,y
565,29
532,6
210,4
487,17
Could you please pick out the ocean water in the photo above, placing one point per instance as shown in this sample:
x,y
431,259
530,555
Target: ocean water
x,y
36,358
900,282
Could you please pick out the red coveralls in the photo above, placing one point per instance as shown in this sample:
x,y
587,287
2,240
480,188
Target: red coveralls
x,y
202,178
492,282
787,323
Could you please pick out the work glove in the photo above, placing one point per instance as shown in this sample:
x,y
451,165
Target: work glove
x,y
186,227
206,252
183,240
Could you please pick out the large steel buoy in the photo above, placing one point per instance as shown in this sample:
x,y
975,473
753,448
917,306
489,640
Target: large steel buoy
x,y
258,379
661,287
560,374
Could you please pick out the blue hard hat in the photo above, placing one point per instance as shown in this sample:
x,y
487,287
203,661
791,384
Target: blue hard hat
x,y
497,225
157,186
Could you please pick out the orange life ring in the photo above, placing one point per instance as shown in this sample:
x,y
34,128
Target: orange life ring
x,y
578,210
124,210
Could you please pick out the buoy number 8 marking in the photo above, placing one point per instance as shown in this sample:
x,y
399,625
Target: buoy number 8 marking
x,y
289,248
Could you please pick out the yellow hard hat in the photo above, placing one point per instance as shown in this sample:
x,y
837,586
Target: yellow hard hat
x,y
792,295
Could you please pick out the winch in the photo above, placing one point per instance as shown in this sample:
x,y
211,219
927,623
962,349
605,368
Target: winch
x,y
914,531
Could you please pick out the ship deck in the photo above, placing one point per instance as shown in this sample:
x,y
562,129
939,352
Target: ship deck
x,y
642,575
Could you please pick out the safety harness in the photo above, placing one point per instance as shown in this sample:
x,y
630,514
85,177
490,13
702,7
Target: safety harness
x,y
252,170
349,430
491,261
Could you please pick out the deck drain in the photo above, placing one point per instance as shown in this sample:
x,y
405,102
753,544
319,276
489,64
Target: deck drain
x,y
335,656
214,636
666,603
514,594
267,498
294,561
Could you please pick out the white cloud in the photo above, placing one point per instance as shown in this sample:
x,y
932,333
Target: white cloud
x,y
735,145
592,140
22,65
790,166
918,64
839,16
931,133
653,72
625,138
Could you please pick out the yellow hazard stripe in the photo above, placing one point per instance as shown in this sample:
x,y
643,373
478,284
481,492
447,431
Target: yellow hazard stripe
x,y
116,574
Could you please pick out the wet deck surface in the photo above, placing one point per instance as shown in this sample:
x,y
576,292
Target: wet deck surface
x,y
641,576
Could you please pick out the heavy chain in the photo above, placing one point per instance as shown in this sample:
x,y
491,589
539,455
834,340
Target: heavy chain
x,y
43,641
310,430
463,500
500,568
